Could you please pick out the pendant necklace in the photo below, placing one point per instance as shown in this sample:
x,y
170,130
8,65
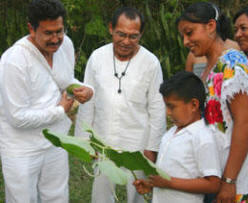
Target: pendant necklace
x,y
122,74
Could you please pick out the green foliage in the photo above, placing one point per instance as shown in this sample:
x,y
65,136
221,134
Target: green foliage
x,y
13,23
87,25
73,145
115,174
108,160
70,88
162,38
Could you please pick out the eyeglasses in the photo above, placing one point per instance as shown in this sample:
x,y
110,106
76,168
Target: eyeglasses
x,y
131,37
58,33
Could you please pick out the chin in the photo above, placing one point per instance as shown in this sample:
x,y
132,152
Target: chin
x,y
124,55
53,50
244,49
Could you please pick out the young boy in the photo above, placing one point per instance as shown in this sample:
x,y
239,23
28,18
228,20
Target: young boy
x,y
188,152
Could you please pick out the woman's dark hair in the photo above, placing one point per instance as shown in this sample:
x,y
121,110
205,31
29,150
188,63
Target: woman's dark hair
x,y
241,12
186,86
202,12
130,13
40,10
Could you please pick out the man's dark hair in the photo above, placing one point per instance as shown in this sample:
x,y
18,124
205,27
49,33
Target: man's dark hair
x,y
241,12
186,86
40,10
130,13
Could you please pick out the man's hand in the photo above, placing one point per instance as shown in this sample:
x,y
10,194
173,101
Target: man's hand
x,y
150,155
83,94
227,193
66,102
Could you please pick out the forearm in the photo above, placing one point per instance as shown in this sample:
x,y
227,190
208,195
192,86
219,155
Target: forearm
x,y
197,185
238,150
33,118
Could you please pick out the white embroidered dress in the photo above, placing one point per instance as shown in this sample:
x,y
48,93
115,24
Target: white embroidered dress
x,y
228,77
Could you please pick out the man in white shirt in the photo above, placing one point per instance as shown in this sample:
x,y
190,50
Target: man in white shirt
x,y
33,74
127,110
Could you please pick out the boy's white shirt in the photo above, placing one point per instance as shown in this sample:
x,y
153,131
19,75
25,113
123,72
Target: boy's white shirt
x,y
190,153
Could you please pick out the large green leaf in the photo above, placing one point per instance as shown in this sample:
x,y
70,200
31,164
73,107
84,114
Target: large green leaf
x,y
135,161
74,145
96,141
82,149
115,174
130,160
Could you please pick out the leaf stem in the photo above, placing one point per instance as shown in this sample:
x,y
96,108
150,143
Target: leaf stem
x,y
145,196
87,172
94,143
134,175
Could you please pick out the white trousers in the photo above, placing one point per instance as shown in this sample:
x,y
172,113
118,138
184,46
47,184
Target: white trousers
x,y
37,178
103,189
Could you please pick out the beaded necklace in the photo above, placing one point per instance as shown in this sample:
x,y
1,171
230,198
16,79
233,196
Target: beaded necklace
x,y
122,74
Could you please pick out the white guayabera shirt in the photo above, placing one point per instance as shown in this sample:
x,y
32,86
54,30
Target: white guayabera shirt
x,y
30,96
133,119
190,153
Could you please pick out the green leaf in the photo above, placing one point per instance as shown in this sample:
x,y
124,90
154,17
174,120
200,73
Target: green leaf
x,y
74,145
130,160
134,161
115,174
52,138
96,141
70,88
83,149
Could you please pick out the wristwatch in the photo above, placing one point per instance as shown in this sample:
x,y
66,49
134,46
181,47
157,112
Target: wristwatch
x,y
228,180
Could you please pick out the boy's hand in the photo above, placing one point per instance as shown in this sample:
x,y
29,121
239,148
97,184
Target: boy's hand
x,y
142,186
158,181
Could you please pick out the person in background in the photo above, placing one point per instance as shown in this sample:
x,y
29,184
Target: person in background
x,y
241,29
195,64
33,74
198,64
127,111
227,101
188,151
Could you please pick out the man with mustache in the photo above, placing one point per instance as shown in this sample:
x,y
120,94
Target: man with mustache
x,y
127,110
34,73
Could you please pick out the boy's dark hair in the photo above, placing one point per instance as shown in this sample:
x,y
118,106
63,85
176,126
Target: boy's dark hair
x,y
40,10
202,12
130,13
186,86
241,12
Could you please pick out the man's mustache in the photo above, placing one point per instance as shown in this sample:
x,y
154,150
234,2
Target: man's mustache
x,y
54,44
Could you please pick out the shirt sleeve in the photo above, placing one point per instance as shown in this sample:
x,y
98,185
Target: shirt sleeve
x,y
69,49
156,110
17,104
206,154
85,113
235,77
